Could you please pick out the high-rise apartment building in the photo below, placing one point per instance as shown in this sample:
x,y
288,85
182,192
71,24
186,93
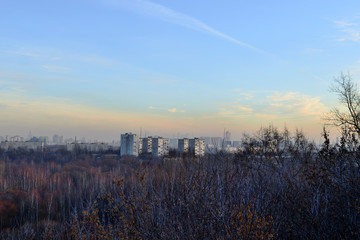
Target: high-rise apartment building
x,y
183,145
160,147
15,139
207,140
197,146
145,145
140,147
129,145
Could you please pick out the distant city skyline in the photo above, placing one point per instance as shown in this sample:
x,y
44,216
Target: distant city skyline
x,y
101,68
58,138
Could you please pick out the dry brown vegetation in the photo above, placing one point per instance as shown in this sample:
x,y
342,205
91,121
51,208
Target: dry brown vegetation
x,y
279,186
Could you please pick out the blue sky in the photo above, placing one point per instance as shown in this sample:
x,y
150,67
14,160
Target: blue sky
x,y
99,68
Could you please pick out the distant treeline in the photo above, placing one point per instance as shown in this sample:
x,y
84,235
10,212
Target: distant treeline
x,y
279,185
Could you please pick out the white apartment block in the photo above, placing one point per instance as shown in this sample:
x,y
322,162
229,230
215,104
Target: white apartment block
x,y
197,146
91,147
140,148
160,147
183,145
14,139
129,145
145,145
36,146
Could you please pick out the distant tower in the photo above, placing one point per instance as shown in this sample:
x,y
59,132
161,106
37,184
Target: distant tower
x,y
129,145
227,136
227,140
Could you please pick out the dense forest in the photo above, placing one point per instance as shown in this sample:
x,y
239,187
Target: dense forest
x,y
278,185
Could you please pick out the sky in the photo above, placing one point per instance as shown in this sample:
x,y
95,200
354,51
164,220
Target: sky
x,y
99,68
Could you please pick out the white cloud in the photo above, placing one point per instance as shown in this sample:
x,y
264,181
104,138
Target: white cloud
x,y
294,103
246,95
343,23
174,110
279,106
235,110
166,14
153,108
246,109
351,31
283,97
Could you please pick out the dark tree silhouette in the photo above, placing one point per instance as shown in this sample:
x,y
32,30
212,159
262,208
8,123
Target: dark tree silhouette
x,y
349,97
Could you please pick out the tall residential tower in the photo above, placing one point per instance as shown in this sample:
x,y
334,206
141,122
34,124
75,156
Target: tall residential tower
x,y
197,146
160,147
129,145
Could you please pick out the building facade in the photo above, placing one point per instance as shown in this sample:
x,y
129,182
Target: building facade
x,y
160,147
197,146
194,146
36,146
129,145
183,145
90,147
145,145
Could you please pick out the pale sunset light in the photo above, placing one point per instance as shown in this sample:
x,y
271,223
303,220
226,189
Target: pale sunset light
x,y
98,68
181,119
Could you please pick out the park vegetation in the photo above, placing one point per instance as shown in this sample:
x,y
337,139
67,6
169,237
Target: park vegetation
x,y
278,185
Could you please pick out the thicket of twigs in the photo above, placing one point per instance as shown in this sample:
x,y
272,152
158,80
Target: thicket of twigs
x,y
278,186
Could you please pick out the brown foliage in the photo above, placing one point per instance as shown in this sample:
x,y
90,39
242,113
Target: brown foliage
x,y
283,189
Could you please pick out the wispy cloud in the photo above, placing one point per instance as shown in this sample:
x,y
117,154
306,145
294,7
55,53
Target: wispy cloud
x,y
295,104
343,23
56,68
246,95
278,105
24,79
172,110
225,112
153,108
266,116
155,10
246,109
351,30
28,54
34,53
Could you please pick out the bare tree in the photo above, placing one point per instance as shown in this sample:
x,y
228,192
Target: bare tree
x,y
348,115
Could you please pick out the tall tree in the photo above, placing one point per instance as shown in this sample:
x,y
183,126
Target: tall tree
x,y
348,114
